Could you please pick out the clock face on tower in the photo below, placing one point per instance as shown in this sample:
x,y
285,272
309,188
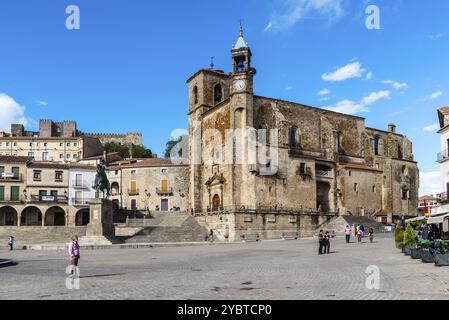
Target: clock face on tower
x,y
240,85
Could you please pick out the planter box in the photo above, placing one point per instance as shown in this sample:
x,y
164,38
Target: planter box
x,y
442,260
416,253
407,250
427,257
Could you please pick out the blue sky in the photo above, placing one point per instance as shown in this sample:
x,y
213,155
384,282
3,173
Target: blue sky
x,y
125,69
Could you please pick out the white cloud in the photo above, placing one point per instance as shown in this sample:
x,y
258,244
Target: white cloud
x,y
433,96
290,12
430,182
432,128
324,92
436,95
396,85
435,36
350,107
347,106
42,103
352,70
269,26
369,76
288,88
11,112
375,96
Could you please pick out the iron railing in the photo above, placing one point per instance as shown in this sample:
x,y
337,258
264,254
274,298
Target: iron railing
x,y
442,156
11,176
167,191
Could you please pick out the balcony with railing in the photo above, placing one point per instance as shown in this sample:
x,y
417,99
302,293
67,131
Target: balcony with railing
x,y
443,156
49,199
443,197
80,185
133,192
79,202
164,191
10,177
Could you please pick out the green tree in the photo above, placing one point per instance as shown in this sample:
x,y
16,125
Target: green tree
x,y
142,152
398,234
409,236
111,147
170,145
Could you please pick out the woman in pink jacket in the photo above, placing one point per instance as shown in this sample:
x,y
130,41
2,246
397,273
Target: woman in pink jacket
x,y
74,251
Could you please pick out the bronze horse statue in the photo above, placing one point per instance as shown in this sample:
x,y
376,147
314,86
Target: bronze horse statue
x,y
101,181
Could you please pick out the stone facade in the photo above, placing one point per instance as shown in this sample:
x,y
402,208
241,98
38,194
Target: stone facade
x,y
289,157
40,193
149,184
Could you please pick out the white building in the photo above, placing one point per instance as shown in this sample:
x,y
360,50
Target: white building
x,y
81,182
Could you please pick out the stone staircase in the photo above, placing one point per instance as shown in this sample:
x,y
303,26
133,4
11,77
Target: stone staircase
x,y
38,235
168,227
338,224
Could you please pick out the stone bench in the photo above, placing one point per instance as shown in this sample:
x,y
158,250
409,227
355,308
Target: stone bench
x,y
290,236
250,237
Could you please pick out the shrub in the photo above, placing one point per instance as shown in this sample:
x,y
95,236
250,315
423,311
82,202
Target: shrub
x,y
398,234
409,236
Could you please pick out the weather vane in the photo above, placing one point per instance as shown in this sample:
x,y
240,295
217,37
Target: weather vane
x,y
212,62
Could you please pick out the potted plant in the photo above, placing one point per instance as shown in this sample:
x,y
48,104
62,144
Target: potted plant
x,y
427,251
409,241
416,252
442,254
398,236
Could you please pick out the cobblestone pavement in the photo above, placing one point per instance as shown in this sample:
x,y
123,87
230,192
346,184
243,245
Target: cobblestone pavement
x,y
267,270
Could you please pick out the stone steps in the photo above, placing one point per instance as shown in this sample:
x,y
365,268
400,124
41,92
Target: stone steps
x,y
36,235
179,228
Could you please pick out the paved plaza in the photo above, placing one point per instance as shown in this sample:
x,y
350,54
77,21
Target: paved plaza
x,y
267,270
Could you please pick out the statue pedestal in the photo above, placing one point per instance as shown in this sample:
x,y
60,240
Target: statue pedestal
x,y
100,230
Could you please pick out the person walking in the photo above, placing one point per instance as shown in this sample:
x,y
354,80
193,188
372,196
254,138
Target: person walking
x,y
327,242
348,231
74,251
321,242
11,243
359,235
371,235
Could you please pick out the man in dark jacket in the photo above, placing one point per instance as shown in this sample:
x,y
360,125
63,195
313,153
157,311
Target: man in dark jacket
x,y
321,242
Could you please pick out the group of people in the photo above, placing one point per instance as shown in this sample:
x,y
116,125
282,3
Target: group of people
x,y
325,242
359,233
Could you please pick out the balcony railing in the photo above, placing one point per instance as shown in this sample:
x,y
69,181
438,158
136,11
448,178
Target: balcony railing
x,y
443,197
82,185
79,202
11,176
133,192
442,156
164,192
50,199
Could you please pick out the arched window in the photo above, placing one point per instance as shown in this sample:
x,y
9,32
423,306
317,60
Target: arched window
x,y
218,93
376,145
195,94
293,137
399,147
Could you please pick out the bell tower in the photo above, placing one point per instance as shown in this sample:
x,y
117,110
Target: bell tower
x,y
242,72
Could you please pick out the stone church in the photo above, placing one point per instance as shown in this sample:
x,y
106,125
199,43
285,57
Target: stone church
x,y
266,166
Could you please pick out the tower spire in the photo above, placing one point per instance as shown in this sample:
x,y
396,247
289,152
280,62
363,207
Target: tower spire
x,y
241,28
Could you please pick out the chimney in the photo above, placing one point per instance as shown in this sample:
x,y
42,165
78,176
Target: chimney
x,y
392,128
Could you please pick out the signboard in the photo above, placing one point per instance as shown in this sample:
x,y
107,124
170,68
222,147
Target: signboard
x,y
48,198
8,175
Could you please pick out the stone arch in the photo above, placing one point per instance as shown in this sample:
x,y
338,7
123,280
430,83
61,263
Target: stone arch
x,y
55,216
31,216
115,188
82,217
8,216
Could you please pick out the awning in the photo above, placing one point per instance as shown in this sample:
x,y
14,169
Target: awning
x,y
437,219
415,219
